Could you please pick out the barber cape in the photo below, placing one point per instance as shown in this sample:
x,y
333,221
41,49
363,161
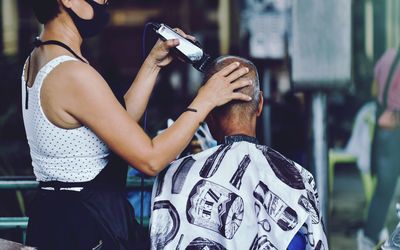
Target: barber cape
x,y
238,195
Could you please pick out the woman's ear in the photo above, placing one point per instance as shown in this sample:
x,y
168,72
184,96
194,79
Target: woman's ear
x,y
65,3
260,103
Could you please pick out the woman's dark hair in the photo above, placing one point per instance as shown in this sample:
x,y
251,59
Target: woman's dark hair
x,y
45,10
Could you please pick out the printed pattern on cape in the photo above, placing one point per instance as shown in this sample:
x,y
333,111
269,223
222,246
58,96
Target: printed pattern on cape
x,y
214,207
235,196
280,212
204,244
283,168
168,226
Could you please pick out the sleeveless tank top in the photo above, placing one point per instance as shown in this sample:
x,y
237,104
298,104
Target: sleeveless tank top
x,y
67,155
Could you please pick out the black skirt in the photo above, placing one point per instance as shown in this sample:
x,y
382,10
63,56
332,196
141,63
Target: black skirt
x,y
98,217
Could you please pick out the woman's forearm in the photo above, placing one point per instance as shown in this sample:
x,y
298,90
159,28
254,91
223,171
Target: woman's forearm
x,y
172,141
137,96
151,156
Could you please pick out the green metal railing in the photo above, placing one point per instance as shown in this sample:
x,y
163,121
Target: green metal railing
x,y
18,185
132,182
13,222
22,222
27,183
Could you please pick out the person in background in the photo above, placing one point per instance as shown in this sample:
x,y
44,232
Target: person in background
x,y
385,160
74,124
239,194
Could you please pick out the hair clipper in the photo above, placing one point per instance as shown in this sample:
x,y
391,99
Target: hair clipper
x,y
187,50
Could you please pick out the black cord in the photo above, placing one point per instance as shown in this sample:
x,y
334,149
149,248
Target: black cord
x,y
144,54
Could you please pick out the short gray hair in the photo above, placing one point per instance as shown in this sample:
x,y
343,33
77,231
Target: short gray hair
x,y
253,90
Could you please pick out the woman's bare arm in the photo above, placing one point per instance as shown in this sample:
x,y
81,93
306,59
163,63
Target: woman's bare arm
x,y
137,97
88,98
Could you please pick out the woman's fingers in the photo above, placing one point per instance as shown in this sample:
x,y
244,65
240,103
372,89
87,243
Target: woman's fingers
x,y
229,69
160,55
180,32
240,84
191,38
240,96
237,74
171,43
219,89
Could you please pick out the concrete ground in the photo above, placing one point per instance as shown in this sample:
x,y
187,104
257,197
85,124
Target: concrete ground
x,y
348,209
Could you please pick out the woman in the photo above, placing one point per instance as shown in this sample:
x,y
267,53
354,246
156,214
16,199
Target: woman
x,y
73,121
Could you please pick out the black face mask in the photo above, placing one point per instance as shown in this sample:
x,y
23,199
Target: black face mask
x,y
89,28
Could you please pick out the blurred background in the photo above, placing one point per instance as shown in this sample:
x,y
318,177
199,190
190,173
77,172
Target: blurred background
x,y
289,47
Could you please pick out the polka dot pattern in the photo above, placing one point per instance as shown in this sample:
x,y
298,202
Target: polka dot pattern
x,y
68,155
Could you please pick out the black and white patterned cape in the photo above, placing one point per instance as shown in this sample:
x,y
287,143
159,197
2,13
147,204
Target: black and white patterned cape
x,y
238,195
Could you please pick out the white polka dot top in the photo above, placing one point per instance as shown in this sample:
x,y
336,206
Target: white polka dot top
x,y
67,155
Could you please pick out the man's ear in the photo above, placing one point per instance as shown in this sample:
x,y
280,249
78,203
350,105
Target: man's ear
x,y
260,103
210,121
212,125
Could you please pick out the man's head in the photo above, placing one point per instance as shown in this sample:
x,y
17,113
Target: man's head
x,y
236,116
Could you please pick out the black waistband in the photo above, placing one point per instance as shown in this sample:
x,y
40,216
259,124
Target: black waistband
x,y
113,175
60,184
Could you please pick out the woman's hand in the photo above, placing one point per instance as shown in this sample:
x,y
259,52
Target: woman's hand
x,y
220,88
160,54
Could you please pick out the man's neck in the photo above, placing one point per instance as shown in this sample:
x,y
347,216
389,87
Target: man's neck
x,y
232,127
240,131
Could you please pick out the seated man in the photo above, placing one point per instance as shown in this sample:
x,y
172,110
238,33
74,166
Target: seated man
x,y
238,195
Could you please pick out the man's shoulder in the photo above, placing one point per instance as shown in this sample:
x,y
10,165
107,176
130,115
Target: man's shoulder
x,y
288,171
196,156
285,169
